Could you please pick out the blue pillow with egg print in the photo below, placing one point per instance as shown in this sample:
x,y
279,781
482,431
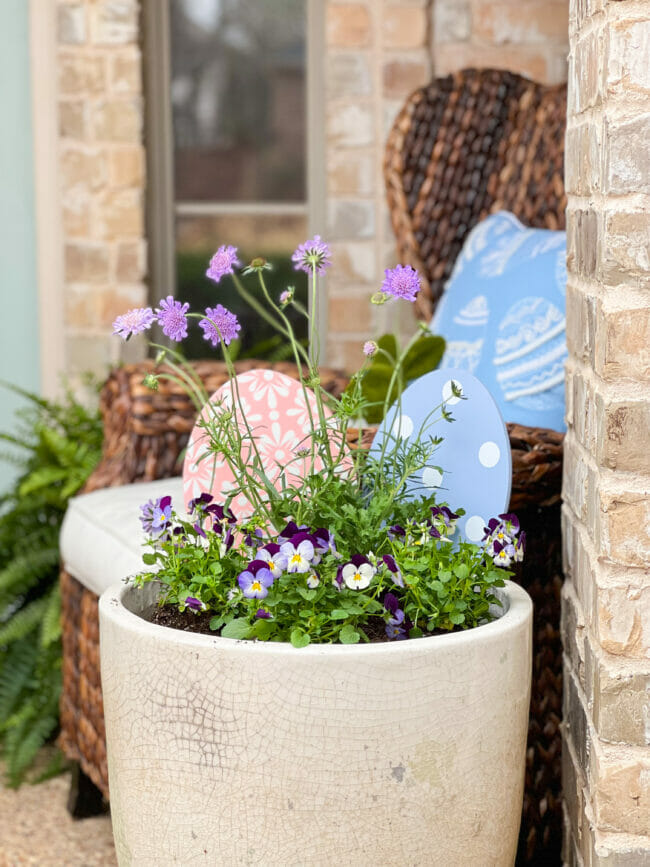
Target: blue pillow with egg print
x,y
502,315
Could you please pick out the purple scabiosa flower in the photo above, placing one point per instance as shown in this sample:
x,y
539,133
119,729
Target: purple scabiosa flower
x,y
256,580
133,322
299,553
401,282
286,297
313,580
172,318
194,604
220,325
274,558
393,568
263,614
312,254
358,572
394,626
369,348
222,263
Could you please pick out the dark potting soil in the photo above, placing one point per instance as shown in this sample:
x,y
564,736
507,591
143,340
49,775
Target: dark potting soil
x,y
190,621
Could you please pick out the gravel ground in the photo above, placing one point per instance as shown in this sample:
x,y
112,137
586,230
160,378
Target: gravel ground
x,y
36,829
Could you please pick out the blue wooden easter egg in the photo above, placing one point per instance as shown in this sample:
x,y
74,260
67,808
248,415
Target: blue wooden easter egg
x,y
472,467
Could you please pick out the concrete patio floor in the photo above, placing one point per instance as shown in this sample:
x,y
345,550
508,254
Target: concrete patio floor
x,y
36,829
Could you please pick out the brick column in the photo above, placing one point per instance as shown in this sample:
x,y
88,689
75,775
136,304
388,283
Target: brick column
x,y
102,176
606,618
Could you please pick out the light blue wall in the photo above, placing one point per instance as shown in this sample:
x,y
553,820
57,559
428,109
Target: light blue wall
x,y
19,351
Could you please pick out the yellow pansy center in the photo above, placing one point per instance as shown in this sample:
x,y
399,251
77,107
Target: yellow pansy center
x,y
296,559
256,586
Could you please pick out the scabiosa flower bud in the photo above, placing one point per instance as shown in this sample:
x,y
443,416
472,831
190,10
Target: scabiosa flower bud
x,y
286,297
151,381
369,348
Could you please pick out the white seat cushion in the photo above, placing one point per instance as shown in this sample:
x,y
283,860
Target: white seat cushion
x,y
102,538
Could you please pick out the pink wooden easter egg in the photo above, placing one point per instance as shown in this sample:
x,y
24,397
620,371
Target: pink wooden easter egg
x,y
278,415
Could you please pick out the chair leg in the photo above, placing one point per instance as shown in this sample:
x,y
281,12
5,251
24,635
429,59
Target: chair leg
x,y
84,798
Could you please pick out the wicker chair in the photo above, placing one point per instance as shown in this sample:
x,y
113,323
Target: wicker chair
x,y
462,147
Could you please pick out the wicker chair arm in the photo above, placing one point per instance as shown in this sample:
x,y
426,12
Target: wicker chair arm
x,y
146,431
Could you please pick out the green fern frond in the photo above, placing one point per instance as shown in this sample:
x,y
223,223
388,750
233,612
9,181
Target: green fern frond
x,y
51,623
15,674
23,621
24,572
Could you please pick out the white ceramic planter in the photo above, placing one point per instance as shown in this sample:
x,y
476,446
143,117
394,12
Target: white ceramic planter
x,y
225,752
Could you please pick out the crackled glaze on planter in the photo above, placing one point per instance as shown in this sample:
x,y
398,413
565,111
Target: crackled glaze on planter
x,y
225,752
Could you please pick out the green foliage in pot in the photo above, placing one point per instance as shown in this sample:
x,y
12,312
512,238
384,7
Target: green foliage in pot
x,y
56,446
330,545
421,357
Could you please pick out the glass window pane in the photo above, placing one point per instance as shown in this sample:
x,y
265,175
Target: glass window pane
x,y
273,237
238,99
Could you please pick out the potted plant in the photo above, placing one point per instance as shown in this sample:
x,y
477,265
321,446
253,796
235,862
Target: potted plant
x,y
344,679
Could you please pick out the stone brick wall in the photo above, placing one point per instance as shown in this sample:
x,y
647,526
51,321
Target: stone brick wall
x,y
525,36
377,52
101,162
607,460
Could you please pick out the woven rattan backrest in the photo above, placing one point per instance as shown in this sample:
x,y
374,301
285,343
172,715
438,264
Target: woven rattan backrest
x,y
465,146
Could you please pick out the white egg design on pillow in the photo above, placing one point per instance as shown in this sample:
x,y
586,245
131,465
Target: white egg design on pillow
x,y
503,317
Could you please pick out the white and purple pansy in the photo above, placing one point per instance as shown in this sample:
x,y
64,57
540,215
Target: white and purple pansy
x,y
393,568
324,542
274,558
256,580
299,552
313,580
443,520
291,530
358,572
504,554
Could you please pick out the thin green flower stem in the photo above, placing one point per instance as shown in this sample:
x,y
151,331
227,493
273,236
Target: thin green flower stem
x,y
313,375
259,308
233,377
183,384
167,350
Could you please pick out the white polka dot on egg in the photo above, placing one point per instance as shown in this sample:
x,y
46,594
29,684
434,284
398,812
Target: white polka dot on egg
x,y
489,454
474,528
274,414
448,395
431,477
402,427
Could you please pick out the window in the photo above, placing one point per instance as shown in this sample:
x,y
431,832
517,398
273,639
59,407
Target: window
x,y
232,96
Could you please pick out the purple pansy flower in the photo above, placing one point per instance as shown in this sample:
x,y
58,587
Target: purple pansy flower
x,y
194,604
395,625
401,282
263,614
220,325
358,572
223,262
199,503
290,531
133,322
254,539
393,568
337,581
172,318
299,553
221,516
396,531
256,580
274,558
312,254
155,515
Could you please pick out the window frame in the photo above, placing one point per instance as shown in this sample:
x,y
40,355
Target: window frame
x,y
161,205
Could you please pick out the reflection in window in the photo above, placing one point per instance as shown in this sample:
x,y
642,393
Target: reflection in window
x,y
238,110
